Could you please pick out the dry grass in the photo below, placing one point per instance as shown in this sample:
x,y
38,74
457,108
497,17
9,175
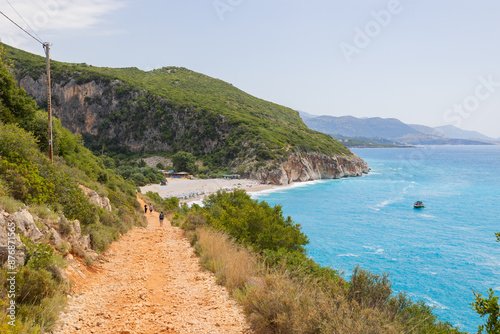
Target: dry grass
x,y
232,264
42,211
278,301
285,304
10,205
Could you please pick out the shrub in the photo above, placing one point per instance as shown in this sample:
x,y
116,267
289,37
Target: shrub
x,y
108,218
102,236
490,307
33,285
193,221
280,304
184,162
65,228
167,204
43,316
38,255
43,211
253,223
139,178
24,179
10,205
299,264
369,290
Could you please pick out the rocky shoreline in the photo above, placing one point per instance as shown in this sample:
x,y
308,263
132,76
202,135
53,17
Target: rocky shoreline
x,y
310,166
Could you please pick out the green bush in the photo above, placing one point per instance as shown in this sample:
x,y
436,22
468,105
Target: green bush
x,y
65,228
102,236
490,307
166,205
108,218
185,162
253,223
33,285
10,205
38,255
369,290
299,264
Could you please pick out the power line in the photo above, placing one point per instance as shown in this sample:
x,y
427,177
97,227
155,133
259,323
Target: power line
x,y
33,30
8,18
46,47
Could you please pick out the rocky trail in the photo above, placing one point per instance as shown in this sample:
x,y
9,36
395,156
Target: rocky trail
x,y
149,281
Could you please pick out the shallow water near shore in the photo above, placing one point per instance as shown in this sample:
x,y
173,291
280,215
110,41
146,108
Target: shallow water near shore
x,y
438,254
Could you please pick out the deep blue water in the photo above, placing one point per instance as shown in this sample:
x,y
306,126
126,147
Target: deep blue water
x,y
437,254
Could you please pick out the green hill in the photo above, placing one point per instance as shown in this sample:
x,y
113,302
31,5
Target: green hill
x,y
169,110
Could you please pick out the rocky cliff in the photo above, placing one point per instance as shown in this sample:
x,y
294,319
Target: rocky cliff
x,y
113,113
308,166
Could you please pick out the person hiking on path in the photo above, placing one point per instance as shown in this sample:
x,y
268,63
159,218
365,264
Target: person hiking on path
x,y
150,208
162,216
145,208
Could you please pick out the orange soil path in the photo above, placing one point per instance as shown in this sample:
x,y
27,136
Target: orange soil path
x,y
150,281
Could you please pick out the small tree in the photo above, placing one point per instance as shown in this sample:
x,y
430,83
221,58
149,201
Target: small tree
x,y
184,161
488,306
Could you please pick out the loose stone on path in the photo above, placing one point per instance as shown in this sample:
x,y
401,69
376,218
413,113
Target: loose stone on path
x,y
150,282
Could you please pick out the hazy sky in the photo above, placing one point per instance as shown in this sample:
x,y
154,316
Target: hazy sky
x,y
421,61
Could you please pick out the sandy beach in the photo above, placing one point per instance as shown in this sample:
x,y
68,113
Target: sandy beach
x,y
193,190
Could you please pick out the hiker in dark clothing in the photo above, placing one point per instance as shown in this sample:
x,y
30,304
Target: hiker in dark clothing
x,y
145,208
162,216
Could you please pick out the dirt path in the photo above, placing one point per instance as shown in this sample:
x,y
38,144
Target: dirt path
x,y
149,282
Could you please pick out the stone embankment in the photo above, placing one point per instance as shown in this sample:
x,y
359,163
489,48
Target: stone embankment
x,y
62,234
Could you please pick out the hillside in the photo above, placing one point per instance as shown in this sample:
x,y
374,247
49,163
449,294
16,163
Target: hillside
x,y
174,109
69,206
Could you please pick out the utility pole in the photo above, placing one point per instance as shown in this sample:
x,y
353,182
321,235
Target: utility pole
x,y
46,46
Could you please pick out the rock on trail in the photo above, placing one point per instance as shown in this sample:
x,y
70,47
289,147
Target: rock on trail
x,y
150,281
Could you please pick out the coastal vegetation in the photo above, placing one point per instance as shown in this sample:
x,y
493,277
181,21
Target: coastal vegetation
x,y
52,192
259,255
184,161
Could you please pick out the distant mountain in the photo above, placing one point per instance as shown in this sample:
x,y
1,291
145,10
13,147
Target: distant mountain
x,y
454,132
427,130
349,126
378,129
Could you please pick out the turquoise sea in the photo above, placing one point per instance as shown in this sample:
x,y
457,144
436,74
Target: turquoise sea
x,y
438,254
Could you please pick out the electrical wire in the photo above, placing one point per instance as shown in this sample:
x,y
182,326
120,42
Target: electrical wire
x,y
8,18
22,18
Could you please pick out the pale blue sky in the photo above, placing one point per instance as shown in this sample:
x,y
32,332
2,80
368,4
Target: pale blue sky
x,y
421,61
